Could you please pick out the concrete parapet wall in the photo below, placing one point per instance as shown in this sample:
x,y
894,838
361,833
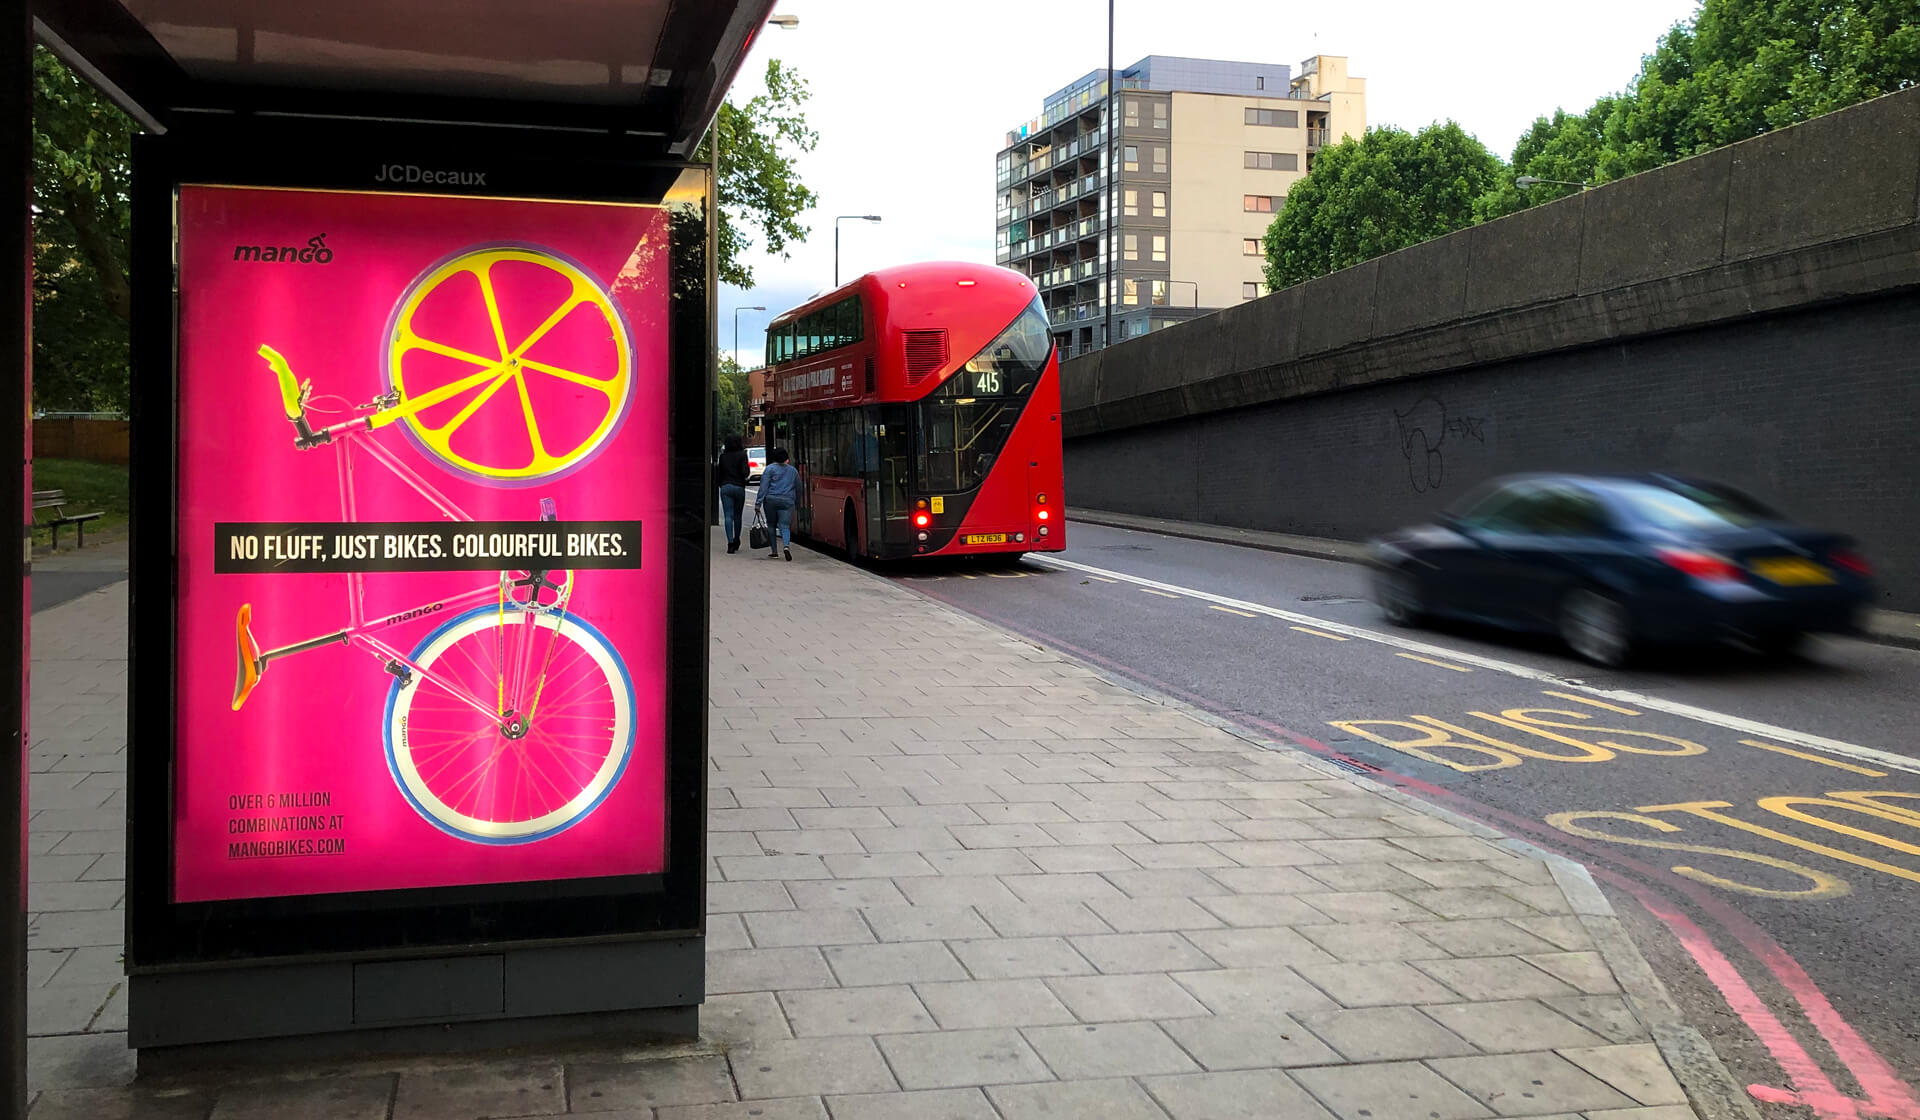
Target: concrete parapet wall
x,y
1821,212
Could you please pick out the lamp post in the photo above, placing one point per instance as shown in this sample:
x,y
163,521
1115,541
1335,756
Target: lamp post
x,y
836,238
1525,181
736,330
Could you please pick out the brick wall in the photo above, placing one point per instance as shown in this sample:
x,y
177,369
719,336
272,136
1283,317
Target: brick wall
x,y
1816,411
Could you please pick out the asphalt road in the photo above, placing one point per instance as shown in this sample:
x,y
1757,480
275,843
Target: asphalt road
x,y
1750,908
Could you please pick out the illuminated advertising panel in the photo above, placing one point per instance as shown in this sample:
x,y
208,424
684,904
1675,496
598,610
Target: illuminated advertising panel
x,y
421,542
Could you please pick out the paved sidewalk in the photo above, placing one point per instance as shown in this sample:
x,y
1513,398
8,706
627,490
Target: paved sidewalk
x,y
1893,628
955,876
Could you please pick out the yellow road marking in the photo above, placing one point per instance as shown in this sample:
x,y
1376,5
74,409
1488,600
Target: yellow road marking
x,y
1162,594
1318,633
1230,610
1585,700
1431,661
1815,758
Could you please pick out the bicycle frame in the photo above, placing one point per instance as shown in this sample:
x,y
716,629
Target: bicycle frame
x,y
360,631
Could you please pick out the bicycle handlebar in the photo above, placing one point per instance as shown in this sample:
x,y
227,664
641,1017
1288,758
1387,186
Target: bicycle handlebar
x,y
293,395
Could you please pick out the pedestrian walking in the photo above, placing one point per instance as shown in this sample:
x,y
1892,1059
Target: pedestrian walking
x,y
779,491
731,471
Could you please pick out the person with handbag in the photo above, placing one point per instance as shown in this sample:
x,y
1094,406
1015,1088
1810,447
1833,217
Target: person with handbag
x,y
730,471
779,492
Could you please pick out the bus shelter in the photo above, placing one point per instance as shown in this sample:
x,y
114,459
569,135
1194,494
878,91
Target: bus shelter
x,y
422,322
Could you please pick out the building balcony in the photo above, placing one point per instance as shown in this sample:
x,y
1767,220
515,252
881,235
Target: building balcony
x,y
1318,138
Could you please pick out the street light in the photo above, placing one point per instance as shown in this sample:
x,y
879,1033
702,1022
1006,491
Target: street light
x,y
787,23
1525,181
836,238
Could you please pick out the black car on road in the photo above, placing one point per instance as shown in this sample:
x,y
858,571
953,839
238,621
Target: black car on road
x,y
1615,564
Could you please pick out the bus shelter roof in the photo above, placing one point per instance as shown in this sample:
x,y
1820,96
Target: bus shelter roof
x,y
654,70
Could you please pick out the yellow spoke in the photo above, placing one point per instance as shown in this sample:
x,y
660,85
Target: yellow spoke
x,y
411,405
412,341
604,384
576,299
533,427
473,406
485,275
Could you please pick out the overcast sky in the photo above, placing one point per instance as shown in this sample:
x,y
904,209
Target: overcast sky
x,y
913,99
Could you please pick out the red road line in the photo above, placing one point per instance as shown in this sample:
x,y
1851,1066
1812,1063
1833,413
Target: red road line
x,y
1887,1095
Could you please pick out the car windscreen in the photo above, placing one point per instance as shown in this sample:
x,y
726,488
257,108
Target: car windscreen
x,y
1687,506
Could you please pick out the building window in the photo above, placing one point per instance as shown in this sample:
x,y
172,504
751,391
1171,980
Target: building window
x,y
1159,296
1133,248
1252,289
1130,158
1251,246
1130,206
1259,83
1277,118
1130,292
1159,246
1159,204
1159,114
1261,203
1133,112
1160,159
1273,161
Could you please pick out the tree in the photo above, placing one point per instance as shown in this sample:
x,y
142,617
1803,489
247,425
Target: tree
x,y
1745,67
82,171
760,189
730,418
1565,148
1384,191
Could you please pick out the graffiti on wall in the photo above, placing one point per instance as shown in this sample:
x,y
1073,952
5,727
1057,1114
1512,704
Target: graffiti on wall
x,y
1424,430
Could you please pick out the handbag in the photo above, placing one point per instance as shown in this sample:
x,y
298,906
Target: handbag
x,y
757,536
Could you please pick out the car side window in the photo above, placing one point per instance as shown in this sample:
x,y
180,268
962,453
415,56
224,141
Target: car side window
x,y
1565,512
1502,511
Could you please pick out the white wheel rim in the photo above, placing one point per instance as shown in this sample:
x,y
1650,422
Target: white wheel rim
x,y
548,823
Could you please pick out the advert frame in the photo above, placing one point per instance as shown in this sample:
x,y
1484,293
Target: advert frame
x,y
164,936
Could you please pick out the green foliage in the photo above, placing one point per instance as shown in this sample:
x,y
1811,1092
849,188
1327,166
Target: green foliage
x,y
760,190
81,164
1565,147
1746,67
1384,191
730,418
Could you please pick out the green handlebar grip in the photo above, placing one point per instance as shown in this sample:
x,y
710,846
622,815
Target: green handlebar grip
x,y
289,388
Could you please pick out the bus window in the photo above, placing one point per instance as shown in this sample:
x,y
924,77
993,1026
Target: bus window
x,y
966,421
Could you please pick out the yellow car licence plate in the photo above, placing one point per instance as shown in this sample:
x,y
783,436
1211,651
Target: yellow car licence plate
x,y
986,538
1791,571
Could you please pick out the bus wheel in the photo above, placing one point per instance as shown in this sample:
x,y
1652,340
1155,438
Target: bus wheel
x,y
851,535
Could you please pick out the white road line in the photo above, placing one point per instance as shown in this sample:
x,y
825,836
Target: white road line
x,y
1755,728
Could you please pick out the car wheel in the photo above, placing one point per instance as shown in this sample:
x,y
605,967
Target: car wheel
x,y
1398,594
1597,628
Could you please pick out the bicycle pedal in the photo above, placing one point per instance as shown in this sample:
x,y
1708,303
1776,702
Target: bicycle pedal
x,y
396,669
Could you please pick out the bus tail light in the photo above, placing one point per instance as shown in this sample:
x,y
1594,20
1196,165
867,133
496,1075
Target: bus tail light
x,y
1041,514
921,520
1043,530
1019,537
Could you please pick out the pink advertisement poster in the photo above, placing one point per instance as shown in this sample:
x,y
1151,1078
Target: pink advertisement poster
x,y
422,542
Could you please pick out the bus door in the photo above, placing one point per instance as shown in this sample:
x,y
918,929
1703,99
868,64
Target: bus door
x,y
887,484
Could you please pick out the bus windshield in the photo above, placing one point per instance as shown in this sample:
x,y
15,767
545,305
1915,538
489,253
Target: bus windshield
x,y
966,421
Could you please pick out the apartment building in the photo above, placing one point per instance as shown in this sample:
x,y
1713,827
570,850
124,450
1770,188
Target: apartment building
x,y
1178,201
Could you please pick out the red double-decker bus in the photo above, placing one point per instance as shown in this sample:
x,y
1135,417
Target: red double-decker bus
x,y
922,407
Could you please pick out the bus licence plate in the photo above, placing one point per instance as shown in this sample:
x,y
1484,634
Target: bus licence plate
x,y
986,538
1791,571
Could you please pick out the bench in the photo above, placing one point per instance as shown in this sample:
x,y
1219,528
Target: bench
x,y
56,502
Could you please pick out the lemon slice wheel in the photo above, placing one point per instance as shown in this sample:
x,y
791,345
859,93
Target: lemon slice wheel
x,y
507,373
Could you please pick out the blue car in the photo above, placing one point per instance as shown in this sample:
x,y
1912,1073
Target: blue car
x,y
1618,564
